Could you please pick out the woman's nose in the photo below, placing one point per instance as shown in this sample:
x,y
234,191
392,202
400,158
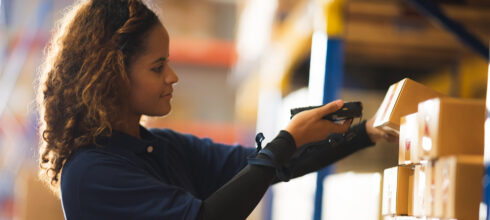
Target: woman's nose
x,y
172,77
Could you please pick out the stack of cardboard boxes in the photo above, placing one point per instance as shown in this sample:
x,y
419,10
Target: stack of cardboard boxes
x,y
440,169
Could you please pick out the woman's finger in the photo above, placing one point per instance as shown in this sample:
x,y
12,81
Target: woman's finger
x,y
338,128
345,126
348,122
329,108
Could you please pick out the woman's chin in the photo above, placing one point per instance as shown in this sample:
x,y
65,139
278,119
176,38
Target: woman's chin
x,y
159,113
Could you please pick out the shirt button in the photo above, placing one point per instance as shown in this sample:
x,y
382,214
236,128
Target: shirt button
x,y
149,149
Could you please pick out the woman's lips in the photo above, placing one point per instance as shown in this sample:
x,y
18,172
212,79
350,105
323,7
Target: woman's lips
x,y
168,95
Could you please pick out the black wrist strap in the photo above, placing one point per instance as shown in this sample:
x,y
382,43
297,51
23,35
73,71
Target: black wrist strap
x,y
268,160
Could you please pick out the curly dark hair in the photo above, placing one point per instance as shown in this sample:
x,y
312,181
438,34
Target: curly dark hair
x,y
84,76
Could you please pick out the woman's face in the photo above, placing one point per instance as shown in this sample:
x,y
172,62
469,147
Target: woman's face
x,y
151,77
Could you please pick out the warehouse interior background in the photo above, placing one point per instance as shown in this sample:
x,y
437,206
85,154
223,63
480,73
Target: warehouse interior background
x,y
229,54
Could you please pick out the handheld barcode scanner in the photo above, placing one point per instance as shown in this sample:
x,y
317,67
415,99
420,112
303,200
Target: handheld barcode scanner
x,y
348,111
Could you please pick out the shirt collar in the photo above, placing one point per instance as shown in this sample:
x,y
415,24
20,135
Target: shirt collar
x,y
125,141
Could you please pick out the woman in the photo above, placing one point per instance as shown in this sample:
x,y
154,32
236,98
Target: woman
x,y
106,66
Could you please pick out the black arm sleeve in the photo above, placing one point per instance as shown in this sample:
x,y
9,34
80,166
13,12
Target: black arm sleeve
x,y
315,156
237,198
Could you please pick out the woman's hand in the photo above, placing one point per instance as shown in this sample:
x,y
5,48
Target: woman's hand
x,y
308,126
376,134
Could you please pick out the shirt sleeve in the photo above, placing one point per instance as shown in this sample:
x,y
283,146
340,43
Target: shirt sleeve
x,y
212,164
238,197
317,155
111,188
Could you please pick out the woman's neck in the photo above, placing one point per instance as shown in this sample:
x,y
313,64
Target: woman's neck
x,y
129,125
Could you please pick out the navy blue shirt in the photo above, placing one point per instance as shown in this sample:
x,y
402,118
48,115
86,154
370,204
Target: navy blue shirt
x,y
165,174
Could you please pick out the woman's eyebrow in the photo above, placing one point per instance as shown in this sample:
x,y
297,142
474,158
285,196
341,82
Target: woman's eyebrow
x,y
160,59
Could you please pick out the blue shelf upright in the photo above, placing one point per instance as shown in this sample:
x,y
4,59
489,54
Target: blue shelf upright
x,y
326,72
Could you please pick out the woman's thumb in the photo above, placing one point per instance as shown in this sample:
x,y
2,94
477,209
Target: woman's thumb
x,y
330,107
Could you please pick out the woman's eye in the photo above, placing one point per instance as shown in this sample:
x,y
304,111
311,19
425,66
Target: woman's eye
x,y
157,69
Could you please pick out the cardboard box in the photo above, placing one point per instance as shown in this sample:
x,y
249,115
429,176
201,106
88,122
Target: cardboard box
x,y
423,182
458,187
450,126
396,190
34,200
401,99
400,218
429,199
410,191
409,140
